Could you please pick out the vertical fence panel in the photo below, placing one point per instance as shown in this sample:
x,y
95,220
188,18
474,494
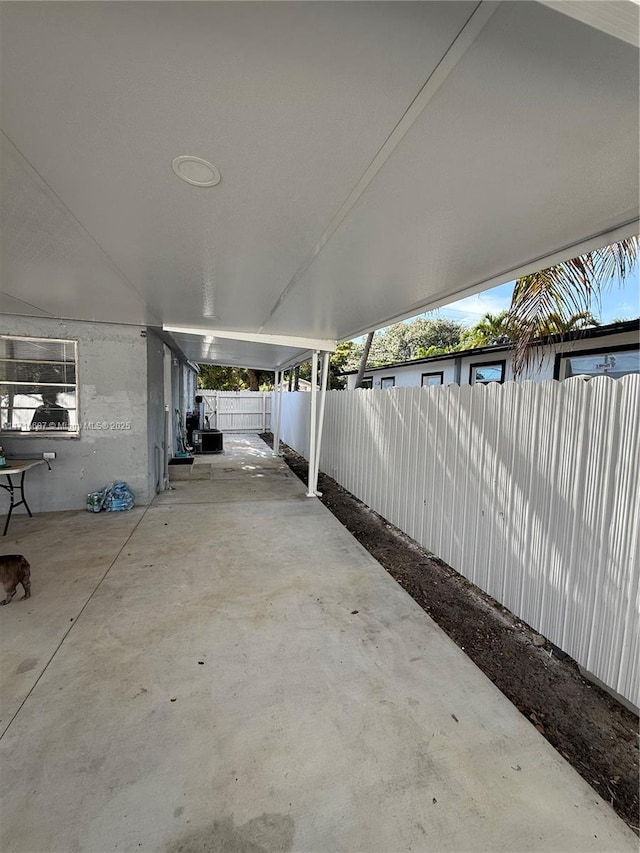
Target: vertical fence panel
x,y
295,416
625,539
417,462
529,490
467,493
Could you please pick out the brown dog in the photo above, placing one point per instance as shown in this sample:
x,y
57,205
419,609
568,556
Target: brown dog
x,y
14,569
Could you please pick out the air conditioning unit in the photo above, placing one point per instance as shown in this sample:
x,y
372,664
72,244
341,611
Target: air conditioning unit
x,y
207,441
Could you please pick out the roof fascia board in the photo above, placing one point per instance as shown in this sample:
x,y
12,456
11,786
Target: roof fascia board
x,y
294,362
322,344
234,362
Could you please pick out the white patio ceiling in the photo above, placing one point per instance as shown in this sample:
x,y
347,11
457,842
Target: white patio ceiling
x,y
376,159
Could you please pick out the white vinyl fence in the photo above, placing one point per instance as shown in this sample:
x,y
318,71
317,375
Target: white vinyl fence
x,y
238,411
528,490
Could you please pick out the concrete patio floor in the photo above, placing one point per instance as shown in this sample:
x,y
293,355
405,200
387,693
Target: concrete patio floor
x,y
228,670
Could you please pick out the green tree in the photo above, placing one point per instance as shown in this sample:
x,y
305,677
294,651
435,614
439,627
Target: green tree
x,y
434,333
341,359
491,330
406,341
390,344
364,356
216,377
429,352
564,289
254,379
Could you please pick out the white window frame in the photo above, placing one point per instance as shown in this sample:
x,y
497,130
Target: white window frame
x,y
74,430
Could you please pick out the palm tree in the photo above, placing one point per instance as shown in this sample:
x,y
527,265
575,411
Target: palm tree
x,y
554,324
363,359
564,289
492,329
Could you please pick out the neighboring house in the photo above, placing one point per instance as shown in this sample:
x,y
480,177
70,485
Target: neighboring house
x,y
612,350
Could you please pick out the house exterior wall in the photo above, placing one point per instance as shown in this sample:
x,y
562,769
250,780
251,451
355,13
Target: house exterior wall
x,y
409,375
457,369
112,389
530,490
121,399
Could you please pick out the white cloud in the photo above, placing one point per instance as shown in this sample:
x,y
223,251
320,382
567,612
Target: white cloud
x,y
471,309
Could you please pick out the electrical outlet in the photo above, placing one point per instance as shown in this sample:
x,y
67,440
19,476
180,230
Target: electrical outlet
x,y
49,454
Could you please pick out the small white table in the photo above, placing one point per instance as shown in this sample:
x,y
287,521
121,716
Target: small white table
x,y
17,466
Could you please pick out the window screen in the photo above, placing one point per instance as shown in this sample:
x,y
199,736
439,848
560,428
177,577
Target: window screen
x,y
38,385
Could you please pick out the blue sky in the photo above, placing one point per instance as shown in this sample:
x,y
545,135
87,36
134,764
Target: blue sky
x,y
619,301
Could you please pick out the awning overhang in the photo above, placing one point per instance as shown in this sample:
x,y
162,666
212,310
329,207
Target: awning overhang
x,y
376,160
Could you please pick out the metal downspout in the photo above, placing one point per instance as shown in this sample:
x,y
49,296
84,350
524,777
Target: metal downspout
x,y
165,460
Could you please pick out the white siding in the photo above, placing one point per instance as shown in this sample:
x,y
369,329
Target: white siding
x,y
529,490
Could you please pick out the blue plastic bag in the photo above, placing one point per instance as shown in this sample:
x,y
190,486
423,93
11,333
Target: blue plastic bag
x,y
113,498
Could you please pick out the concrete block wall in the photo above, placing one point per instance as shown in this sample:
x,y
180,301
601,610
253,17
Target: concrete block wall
x,y
112,388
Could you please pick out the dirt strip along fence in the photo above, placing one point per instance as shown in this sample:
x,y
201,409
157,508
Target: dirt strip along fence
x,y
528,490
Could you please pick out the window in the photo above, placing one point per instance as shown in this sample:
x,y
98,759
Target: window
x,y
485,372
367,382
599,362
38,386
432,379
387,381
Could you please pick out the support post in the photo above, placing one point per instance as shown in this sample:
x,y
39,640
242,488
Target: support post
x,y
275,415
323,397
311,492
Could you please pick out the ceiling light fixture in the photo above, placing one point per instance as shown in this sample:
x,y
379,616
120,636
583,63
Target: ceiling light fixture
x,y
196,171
